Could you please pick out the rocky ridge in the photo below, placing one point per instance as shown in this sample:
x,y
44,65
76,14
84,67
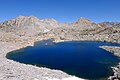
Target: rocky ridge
x,y
28,25
110,24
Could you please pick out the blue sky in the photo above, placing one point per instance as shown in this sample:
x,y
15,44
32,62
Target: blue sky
x,y
62,10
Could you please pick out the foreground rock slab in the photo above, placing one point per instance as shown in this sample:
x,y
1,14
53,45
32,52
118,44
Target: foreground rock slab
x,y
12,70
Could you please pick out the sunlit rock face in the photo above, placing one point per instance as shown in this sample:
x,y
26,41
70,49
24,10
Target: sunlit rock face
x,y
25,27
84,24
28,25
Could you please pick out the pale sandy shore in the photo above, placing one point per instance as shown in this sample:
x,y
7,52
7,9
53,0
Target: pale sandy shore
x,y
12,70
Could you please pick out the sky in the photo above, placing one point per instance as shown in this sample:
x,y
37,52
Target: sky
x,y
62,10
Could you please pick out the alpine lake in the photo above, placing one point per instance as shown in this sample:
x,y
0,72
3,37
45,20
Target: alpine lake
x,y
83,59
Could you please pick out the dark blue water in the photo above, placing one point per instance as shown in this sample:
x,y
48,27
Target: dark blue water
x,y
83,59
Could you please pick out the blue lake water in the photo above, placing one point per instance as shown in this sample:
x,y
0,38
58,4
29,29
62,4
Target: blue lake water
x,y
80,58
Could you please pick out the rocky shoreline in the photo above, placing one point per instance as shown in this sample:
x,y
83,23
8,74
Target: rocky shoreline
x,y
115,51
12,70
39,73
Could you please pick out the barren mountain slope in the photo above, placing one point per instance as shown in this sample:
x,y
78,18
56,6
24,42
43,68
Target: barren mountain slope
x,y
28,25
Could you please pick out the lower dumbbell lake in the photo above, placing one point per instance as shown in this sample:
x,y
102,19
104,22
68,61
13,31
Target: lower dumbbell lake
x,y
83,59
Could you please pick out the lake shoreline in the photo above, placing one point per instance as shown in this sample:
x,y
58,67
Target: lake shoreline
x,y
12,70
16,46
116,52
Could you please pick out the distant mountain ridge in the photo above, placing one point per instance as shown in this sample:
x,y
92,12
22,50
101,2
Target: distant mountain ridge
x,y
110,24
28,25
50,28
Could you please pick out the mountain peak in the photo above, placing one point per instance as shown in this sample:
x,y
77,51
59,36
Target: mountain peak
x,y
82,20
28,24
26,17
